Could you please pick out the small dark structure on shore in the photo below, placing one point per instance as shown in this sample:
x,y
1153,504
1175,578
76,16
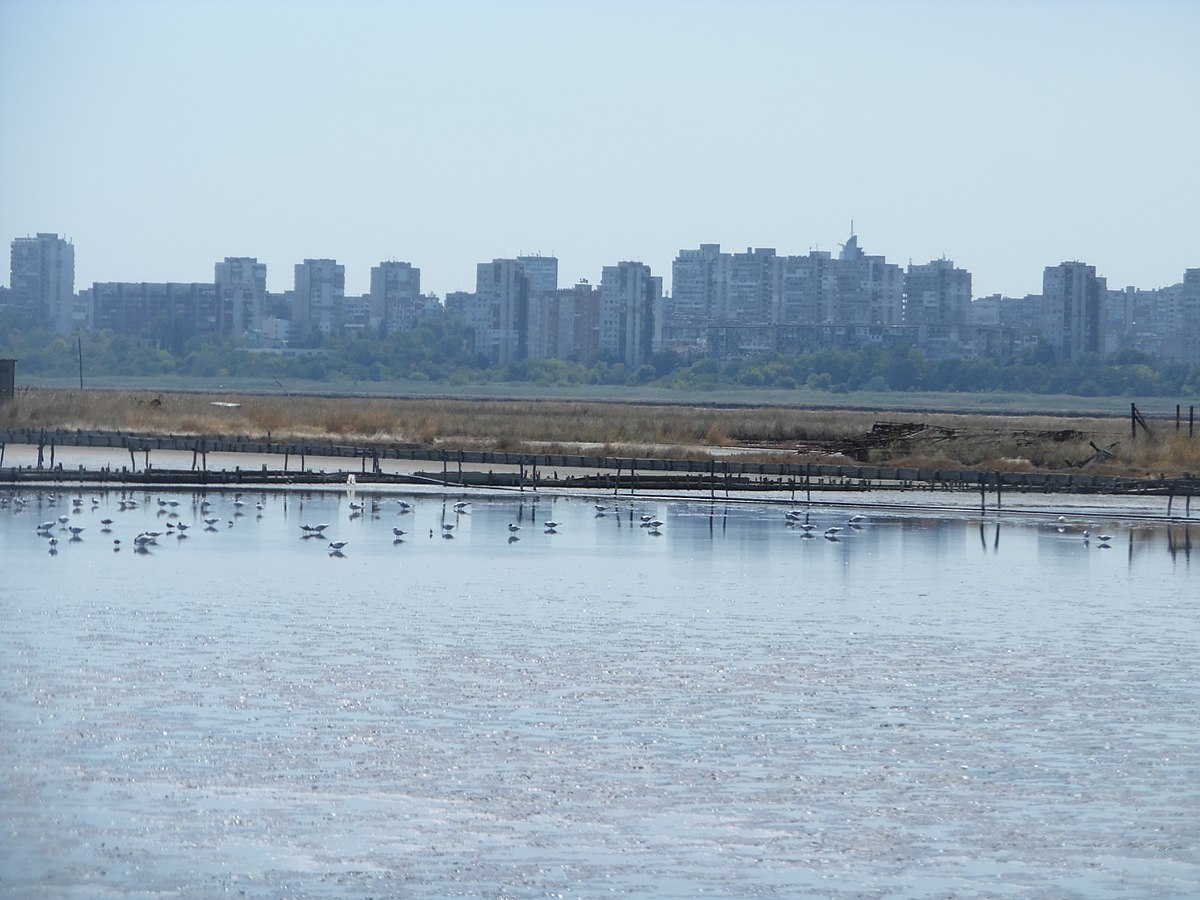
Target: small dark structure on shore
x,y
8,379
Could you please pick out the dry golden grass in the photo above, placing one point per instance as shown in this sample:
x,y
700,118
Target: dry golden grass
x,y
1010,443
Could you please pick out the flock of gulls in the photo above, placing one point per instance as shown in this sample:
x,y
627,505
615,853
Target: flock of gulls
x,y
224,513
168,507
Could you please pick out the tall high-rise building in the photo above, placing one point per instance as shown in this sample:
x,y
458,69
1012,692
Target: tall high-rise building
x,y
501,314
630,297
1184,343
395,293
867,290
565,324
800,289
242,288
937,294
42,285
744,286
318,304
1073,313
541,274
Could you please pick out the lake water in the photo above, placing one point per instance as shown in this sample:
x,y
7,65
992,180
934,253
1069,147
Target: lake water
x,y
925,704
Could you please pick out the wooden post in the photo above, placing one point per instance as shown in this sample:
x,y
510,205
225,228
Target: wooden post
x,y
999,481
1170,498
617,482
1133,421
982,494
1191,419
132,461
445,462
1178,420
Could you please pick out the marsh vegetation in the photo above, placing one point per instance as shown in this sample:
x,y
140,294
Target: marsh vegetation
x,y
1101,444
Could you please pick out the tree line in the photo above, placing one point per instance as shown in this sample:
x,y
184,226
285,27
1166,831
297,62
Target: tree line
x,y
441,350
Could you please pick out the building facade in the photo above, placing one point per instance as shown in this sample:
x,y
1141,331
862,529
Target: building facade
x,y
500,317
1073,309
241,283
937,293
395,295
630,296
318,304
42,283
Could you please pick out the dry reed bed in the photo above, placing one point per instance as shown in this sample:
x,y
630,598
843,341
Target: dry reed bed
x,y
1011,443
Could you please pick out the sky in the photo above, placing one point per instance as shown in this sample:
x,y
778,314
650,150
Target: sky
x,y
161,137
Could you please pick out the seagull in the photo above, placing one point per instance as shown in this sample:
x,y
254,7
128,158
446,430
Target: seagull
x,y
337,546
45,526
857,518
551,526
1105,538
832,530
399,532
447,526
461,505
513,529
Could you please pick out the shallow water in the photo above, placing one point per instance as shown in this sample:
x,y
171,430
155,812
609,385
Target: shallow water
x,y
922,706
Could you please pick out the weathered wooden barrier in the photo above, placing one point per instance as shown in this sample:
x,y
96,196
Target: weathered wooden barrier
x,y
531,470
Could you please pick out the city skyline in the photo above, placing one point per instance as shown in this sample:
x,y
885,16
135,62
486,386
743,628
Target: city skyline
x,y
160,138
281,283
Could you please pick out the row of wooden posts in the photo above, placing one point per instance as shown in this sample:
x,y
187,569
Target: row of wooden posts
x,y
1136,420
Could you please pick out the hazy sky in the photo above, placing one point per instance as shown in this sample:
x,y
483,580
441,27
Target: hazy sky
x,y
161,137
